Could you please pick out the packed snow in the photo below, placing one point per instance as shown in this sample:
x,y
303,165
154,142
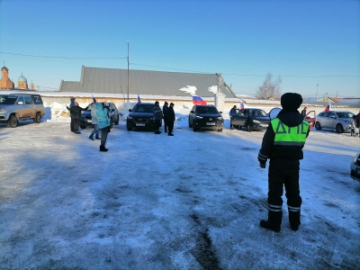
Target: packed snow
x,y
192,201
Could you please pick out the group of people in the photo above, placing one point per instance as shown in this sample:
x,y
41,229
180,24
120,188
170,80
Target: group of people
x,y
167,114
100,118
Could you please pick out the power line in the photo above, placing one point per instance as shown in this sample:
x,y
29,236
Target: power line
x,y
62,57
191,71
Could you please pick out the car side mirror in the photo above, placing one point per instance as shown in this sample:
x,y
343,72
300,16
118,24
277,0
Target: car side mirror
x,y
220,112
192,111
130,110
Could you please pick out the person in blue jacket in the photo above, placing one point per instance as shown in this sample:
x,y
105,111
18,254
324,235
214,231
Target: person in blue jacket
x,y
102,114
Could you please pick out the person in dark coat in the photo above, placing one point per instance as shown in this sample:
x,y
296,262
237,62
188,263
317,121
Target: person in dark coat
x,y
282,144
75,111
165,111
171,119
72,101
303,112
158,117
231,114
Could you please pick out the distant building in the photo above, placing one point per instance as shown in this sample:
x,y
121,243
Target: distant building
x,y
146,82
5,82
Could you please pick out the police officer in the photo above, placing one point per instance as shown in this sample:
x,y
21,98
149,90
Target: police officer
x,y
283,142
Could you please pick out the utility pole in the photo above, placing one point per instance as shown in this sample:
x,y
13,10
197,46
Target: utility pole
x,y
128,75
317,87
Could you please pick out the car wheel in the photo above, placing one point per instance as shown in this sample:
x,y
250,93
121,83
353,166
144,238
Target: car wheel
x,y
37,118
12,122
83,126
339,128
220,130
239,127
249,128
117,120
128,128
318,126
190,125
193,126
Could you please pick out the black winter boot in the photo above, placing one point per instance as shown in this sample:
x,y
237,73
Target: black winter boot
x,y
274,221
294,218
103,149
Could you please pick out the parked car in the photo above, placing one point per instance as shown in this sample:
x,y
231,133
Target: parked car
x,y
85,120
16,106
355,167
205,117
341,121
141,116
251,119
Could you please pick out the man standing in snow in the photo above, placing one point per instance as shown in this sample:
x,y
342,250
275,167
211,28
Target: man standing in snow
x,y
231,114
72,101
158,117
171,119
283,142
75,111
165,112
303,112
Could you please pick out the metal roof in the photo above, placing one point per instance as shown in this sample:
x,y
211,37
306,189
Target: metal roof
x,y
143,82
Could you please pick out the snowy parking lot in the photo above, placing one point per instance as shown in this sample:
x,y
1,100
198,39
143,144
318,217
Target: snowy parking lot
x,y
192,201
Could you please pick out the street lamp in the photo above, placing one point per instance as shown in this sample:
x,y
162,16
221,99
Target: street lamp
x,y
128,85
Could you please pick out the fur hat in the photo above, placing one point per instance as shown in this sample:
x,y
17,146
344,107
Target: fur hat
x,y
291,101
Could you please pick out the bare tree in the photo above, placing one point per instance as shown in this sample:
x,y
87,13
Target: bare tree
x,y
269,89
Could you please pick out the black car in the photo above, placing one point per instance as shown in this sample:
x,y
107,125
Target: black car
x,y
205,117
250,118
85,120
141,116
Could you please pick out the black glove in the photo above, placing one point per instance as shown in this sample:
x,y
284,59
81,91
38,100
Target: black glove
x,y
262,165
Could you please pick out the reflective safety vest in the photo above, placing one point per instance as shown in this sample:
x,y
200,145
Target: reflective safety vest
x,y
294,136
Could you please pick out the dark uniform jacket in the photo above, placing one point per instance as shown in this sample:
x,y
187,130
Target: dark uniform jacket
x,y
171,114
269,150
76,111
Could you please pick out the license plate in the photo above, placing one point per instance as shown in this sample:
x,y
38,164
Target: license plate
x,y
140,125
210,123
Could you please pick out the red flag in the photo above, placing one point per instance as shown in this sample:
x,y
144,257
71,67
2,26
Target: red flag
x,y
139,100
242,106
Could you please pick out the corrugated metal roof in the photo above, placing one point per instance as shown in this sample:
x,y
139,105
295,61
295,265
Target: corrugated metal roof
x,y
143,82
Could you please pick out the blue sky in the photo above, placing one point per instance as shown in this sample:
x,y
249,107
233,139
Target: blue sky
x,y
312,45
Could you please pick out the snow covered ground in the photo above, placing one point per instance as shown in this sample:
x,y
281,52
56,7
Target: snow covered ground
x,y
192,201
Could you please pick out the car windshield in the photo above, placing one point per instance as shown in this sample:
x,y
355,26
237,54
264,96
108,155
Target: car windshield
x,y
344,114
7,100
204,110
144,108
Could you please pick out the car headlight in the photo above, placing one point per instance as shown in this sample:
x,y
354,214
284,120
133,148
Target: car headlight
x,y
347,122
129,118
2,109
356,158
256,122
220,118
198,117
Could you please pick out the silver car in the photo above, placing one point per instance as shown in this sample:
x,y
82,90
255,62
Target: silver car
x,y
15,106
341,121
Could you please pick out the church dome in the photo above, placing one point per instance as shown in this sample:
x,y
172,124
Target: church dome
x,y
22,79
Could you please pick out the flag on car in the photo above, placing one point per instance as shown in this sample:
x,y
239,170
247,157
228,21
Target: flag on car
x,y
197,100
139,100
328,108
242,106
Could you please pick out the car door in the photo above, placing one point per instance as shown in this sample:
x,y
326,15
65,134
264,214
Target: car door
x,y
191,114
332,120
20,107
239,118
29,107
